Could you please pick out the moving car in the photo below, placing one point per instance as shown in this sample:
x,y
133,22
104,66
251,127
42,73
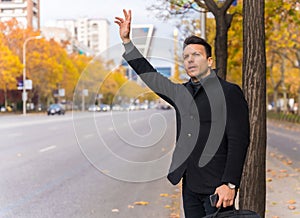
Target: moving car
x,y
56,109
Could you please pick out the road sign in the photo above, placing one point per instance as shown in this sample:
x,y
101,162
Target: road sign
x,y
28,85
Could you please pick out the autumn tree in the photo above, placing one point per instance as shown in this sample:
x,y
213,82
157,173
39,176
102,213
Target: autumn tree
x,y
10,69
46,67
282,37
253,194
222,18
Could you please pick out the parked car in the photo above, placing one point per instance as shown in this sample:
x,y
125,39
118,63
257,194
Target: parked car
x,y
56,109
104,107
94,108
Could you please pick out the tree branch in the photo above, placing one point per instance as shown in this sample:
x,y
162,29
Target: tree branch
x,y
212,6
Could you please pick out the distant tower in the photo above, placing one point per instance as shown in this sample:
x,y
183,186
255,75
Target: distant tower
x,y
27,12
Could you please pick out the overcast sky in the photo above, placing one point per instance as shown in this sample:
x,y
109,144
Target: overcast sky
x,y
63,9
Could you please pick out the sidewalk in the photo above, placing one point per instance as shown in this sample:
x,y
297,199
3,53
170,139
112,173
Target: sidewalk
x,y
283,187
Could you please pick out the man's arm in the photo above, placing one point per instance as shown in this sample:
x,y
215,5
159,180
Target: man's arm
x,y
237,132
238,135
158,83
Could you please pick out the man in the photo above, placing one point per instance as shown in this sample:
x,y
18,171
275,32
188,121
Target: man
x,y
212,125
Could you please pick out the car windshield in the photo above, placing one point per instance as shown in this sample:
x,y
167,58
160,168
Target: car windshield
x,y
54,106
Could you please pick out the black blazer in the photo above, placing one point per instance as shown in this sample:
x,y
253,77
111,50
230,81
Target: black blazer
x,y
212,126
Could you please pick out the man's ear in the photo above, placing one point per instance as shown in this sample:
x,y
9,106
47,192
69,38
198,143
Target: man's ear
x,y
210,61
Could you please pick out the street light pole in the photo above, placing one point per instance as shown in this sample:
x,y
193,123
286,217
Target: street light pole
x,y
24,94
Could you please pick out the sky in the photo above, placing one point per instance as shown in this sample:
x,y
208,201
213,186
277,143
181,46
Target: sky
x,y
108,9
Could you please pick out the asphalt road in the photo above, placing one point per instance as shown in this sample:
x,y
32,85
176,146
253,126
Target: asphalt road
x,y
284,139
86,165
96,164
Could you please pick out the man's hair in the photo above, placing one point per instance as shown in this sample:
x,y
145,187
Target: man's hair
x,y
197,40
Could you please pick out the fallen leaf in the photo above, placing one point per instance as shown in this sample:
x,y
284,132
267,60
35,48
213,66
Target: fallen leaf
x,y
167,206
174,215
275,216
141,203
130,206
115,210
283,171
164,195
283,175
280,156
269,179
287,162
274,203
292,201
291,207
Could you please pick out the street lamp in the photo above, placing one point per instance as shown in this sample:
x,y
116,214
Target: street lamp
x,y
24,94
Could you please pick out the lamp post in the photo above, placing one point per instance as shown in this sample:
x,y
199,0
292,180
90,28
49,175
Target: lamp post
x,y
24,94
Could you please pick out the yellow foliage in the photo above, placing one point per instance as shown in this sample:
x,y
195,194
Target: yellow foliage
x,y
10,67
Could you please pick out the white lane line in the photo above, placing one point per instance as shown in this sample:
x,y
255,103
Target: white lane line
x,y
48,148
88,136
12,135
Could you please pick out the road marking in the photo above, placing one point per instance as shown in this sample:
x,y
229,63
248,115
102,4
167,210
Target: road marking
x,y
12,135
89,136
48,148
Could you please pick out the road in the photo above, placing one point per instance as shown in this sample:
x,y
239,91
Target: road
x,y
81,165
96,164
284,140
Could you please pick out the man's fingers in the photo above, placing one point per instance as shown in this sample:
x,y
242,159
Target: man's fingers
x,y
227,203
119,19
127,15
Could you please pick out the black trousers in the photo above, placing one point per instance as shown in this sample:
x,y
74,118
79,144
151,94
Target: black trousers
x,y
197,205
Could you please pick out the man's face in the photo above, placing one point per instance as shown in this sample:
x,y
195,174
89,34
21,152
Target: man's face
x,y
196,63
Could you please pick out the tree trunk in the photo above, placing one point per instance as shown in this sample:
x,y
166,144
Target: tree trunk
x,y
275,99
253,186
223,22
298,108
221,46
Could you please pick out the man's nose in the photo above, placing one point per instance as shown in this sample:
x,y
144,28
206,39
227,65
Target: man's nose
x,y
191,59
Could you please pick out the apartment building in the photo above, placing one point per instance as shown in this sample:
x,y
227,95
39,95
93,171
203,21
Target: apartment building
x,y
27,12
90,33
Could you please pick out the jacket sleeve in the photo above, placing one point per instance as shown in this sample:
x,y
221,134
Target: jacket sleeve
x,y
154,80
237,133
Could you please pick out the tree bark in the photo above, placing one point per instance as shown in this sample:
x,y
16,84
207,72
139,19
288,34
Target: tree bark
x,y
253,186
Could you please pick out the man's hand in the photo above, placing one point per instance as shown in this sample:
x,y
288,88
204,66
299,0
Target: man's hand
x,y
226,196
124,25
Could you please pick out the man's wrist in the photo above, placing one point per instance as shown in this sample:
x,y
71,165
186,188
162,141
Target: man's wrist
x,y
231,186
126,41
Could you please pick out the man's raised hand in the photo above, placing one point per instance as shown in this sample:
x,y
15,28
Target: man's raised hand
x,y
124,24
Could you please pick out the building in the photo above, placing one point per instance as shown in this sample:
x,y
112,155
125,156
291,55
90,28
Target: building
x,y
141,36
60,35
27,12
90,35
